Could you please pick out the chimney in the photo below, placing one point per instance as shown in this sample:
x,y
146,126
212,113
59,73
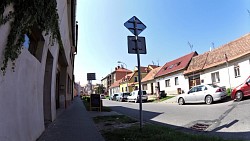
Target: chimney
x,y
118,67
115,68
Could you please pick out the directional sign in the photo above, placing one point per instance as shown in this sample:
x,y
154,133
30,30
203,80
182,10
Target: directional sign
x,y
141,44
134,24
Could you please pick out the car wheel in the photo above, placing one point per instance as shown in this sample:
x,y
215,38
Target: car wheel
x,y
209,99
239,96
181,101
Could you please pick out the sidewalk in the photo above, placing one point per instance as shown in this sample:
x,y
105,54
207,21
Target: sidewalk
x,y
74,124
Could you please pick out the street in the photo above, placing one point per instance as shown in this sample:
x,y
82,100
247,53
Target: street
x,y
225,118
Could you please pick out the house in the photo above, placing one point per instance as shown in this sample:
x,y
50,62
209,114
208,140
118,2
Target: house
x,y
170,77
115,87
148,82
228,65
131,81
42,81
116,75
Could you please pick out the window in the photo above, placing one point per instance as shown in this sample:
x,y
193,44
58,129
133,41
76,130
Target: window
x,y
136,87
215,77
237,71
126,89
122,89
171,67
178,63
34,42
176,81
144,87
136,80
167,83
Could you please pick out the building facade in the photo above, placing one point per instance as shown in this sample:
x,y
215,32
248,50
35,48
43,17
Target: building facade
x,y
228,65
42,81
170,77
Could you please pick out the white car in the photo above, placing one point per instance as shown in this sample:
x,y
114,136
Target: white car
x,y
135,97
202,93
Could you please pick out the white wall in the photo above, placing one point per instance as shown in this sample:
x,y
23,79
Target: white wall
x,y
21,102
244,65
183,83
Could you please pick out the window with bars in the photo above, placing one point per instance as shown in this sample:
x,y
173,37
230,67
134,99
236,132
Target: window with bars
x,y
176,79
167,83
237,71
215,77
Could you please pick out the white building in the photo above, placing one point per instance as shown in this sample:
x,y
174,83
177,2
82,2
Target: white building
x,y
170,78
148,82
42,81
228,65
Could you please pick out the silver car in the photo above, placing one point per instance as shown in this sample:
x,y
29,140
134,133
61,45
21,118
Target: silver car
x,y
202,93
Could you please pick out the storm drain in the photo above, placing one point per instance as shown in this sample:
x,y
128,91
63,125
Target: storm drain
x,y
200,126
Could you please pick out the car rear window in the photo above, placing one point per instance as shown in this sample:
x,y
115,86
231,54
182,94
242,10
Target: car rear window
x,y
143,93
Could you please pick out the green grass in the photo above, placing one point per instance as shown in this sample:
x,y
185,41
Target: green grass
x,y
86,103
163,99
115,118
150,132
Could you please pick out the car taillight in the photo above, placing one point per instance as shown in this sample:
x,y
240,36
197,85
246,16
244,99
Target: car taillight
x,y
219,90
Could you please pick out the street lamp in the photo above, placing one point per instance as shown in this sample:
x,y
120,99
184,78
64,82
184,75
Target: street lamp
x,y
120,62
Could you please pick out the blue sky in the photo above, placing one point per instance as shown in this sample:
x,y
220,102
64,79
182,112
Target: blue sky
x,y
171,24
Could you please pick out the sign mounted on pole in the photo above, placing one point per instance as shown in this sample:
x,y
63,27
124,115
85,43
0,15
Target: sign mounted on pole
x,y
91,76
132,45
130,25
137,45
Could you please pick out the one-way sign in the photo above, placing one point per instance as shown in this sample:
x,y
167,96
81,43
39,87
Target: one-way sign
x,y
134,24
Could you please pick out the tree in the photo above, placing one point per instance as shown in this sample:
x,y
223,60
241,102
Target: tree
x,y
99,89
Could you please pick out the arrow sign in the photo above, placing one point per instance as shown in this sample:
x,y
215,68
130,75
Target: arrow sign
x,y
134,24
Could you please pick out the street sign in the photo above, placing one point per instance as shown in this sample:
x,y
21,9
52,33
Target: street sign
x,y
141,44
134,24
91,76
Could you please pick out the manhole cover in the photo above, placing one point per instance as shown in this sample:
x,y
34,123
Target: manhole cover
x,y
200,126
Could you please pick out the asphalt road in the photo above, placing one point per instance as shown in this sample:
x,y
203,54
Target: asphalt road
x,y
227,118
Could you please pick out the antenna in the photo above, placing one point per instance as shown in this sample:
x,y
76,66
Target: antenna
x,y
153,62
191,46
248,11
158,62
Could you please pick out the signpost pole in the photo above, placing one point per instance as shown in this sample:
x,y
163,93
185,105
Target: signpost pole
x,y
139,70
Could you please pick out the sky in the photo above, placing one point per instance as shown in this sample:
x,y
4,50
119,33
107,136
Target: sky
x,y
171,24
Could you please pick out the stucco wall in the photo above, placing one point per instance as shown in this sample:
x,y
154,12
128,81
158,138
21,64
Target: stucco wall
x,y
21,102
244,65
183,83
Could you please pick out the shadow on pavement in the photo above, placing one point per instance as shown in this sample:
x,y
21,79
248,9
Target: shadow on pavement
x,y
148,116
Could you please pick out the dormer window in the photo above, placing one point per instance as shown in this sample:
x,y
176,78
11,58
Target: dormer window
x,y
171,66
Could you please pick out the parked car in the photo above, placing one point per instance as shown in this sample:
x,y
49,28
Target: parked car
x,y
134,96
102,96
122,97
113,96
203,93
241,91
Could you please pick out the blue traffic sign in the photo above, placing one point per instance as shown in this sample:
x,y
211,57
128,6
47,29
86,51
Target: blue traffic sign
x,y
134,25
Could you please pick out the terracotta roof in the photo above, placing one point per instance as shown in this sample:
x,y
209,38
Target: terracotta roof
x,y
116,83
122,70
153,66
128,76
176,65
151,75
233,50
142,69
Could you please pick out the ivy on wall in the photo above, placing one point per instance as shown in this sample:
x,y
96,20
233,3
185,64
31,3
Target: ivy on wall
x,y
25,15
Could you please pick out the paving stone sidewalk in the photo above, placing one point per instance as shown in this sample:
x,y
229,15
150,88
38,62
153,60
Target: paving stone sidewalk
x,y
74,124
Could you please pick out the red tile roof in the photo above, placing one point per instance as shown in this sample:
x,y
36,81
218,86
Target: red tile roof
x,y
153,66
122,70
151,75
233,50
176,65
116,84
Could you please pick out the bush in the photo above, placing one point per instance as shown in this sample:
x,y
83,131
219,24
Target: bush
x,y
229,91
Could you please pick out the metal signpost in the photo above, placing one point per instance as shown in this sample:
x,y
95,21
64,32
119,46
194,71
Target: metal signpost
x,y
136,45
